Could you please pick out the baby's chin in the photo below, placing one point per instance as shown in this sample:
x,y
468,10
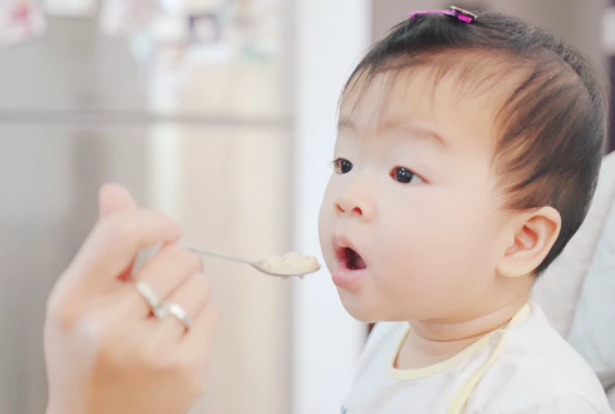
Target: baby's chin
x,y
360,308
371,310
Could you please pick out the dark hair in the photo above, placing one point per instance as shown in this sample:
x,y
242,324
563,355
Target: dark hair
x,y
553,116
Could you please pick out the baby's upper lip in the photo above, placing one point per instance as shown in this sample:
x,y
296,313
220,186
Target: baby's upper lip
x,y
341,242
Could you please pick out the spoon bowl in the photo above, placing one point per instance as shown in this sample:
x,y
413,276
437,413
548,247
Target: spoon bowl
x,y
287,266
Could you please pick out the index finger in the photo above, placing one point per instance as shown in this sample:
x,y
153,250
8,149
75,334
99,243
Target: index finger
x,y
113,244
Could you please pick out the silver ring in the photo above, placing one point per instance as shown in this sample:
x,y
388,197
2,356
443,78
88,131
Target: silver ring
x,y
173,309
150,297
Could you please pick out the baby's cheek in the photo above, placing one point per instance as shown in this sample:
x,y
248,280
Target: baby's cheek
x,y
425,248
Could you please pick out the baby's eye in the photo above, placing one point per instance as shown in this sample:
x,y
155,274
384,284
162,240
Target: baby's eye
x,y
404,175
342,166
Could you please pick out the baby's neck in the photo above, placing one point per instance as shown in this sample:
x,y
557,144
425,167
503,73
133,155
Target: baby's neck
x,y
431,342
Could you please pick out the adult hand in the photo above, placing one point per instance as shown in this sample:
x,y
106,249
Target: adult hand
x,y
105,351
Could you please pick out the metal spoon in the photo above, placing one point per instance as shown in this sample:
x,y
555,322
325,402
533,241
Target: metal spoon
x,y
259,265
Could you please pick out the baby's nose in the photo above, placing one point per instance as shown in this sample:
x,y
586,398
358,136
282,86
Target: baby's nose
x,y
354,210
354,206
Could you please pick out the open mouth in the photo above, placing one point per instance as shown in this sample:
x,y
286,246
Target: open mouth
x,y
350,259
350,267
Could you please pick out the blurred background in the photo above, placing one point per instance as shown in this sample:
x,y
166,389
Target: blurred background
x,y
222,114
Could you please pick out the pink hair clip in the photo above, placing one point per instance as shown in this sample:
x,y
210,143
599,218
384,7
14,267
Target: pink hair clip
x,y
461,14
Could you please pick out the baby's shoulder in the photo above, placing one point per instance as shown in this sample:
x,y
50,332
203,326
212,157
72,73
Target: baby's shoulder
x,y
539,369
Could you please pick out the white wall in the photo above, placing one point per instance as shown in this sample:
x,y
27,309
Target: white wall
x,y
330,36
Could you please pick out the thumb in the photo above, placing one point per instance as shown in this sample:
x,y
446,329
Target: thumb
x,y
113,199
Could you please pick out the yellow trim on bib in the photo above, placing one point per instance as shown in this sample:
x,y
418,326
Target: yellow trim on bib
x,y
413,374
462,396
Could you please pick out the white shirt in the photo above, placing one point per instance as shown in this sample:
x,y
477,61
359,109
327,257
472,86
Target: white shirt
x,y
525,368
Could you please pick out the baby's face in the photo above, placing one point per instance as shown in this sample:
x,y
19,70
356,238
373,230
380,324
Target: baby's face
x,y
411,223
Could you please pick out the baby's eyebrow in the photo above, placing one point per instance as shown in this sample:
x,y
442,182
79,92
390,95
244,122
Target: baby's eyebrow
x,y
345,123
416,130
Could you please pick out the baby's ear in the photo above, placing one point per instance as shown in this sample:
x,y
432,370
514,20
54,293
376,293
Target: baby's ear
x,y
532,236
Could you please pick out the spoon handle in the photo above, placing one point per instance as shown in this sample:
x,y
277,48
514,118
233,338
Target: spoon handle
x,y
219,255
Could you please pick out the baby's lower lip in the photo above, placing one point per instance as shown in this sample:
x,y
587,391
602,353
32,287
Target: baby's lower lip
x,y
345,278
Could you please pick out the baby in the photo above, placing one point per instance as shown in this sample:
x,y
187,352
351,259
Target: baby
x,y
467,156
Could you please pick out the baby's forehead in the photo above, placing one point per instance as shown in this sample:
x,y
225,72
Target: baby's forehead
x,y
445,100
